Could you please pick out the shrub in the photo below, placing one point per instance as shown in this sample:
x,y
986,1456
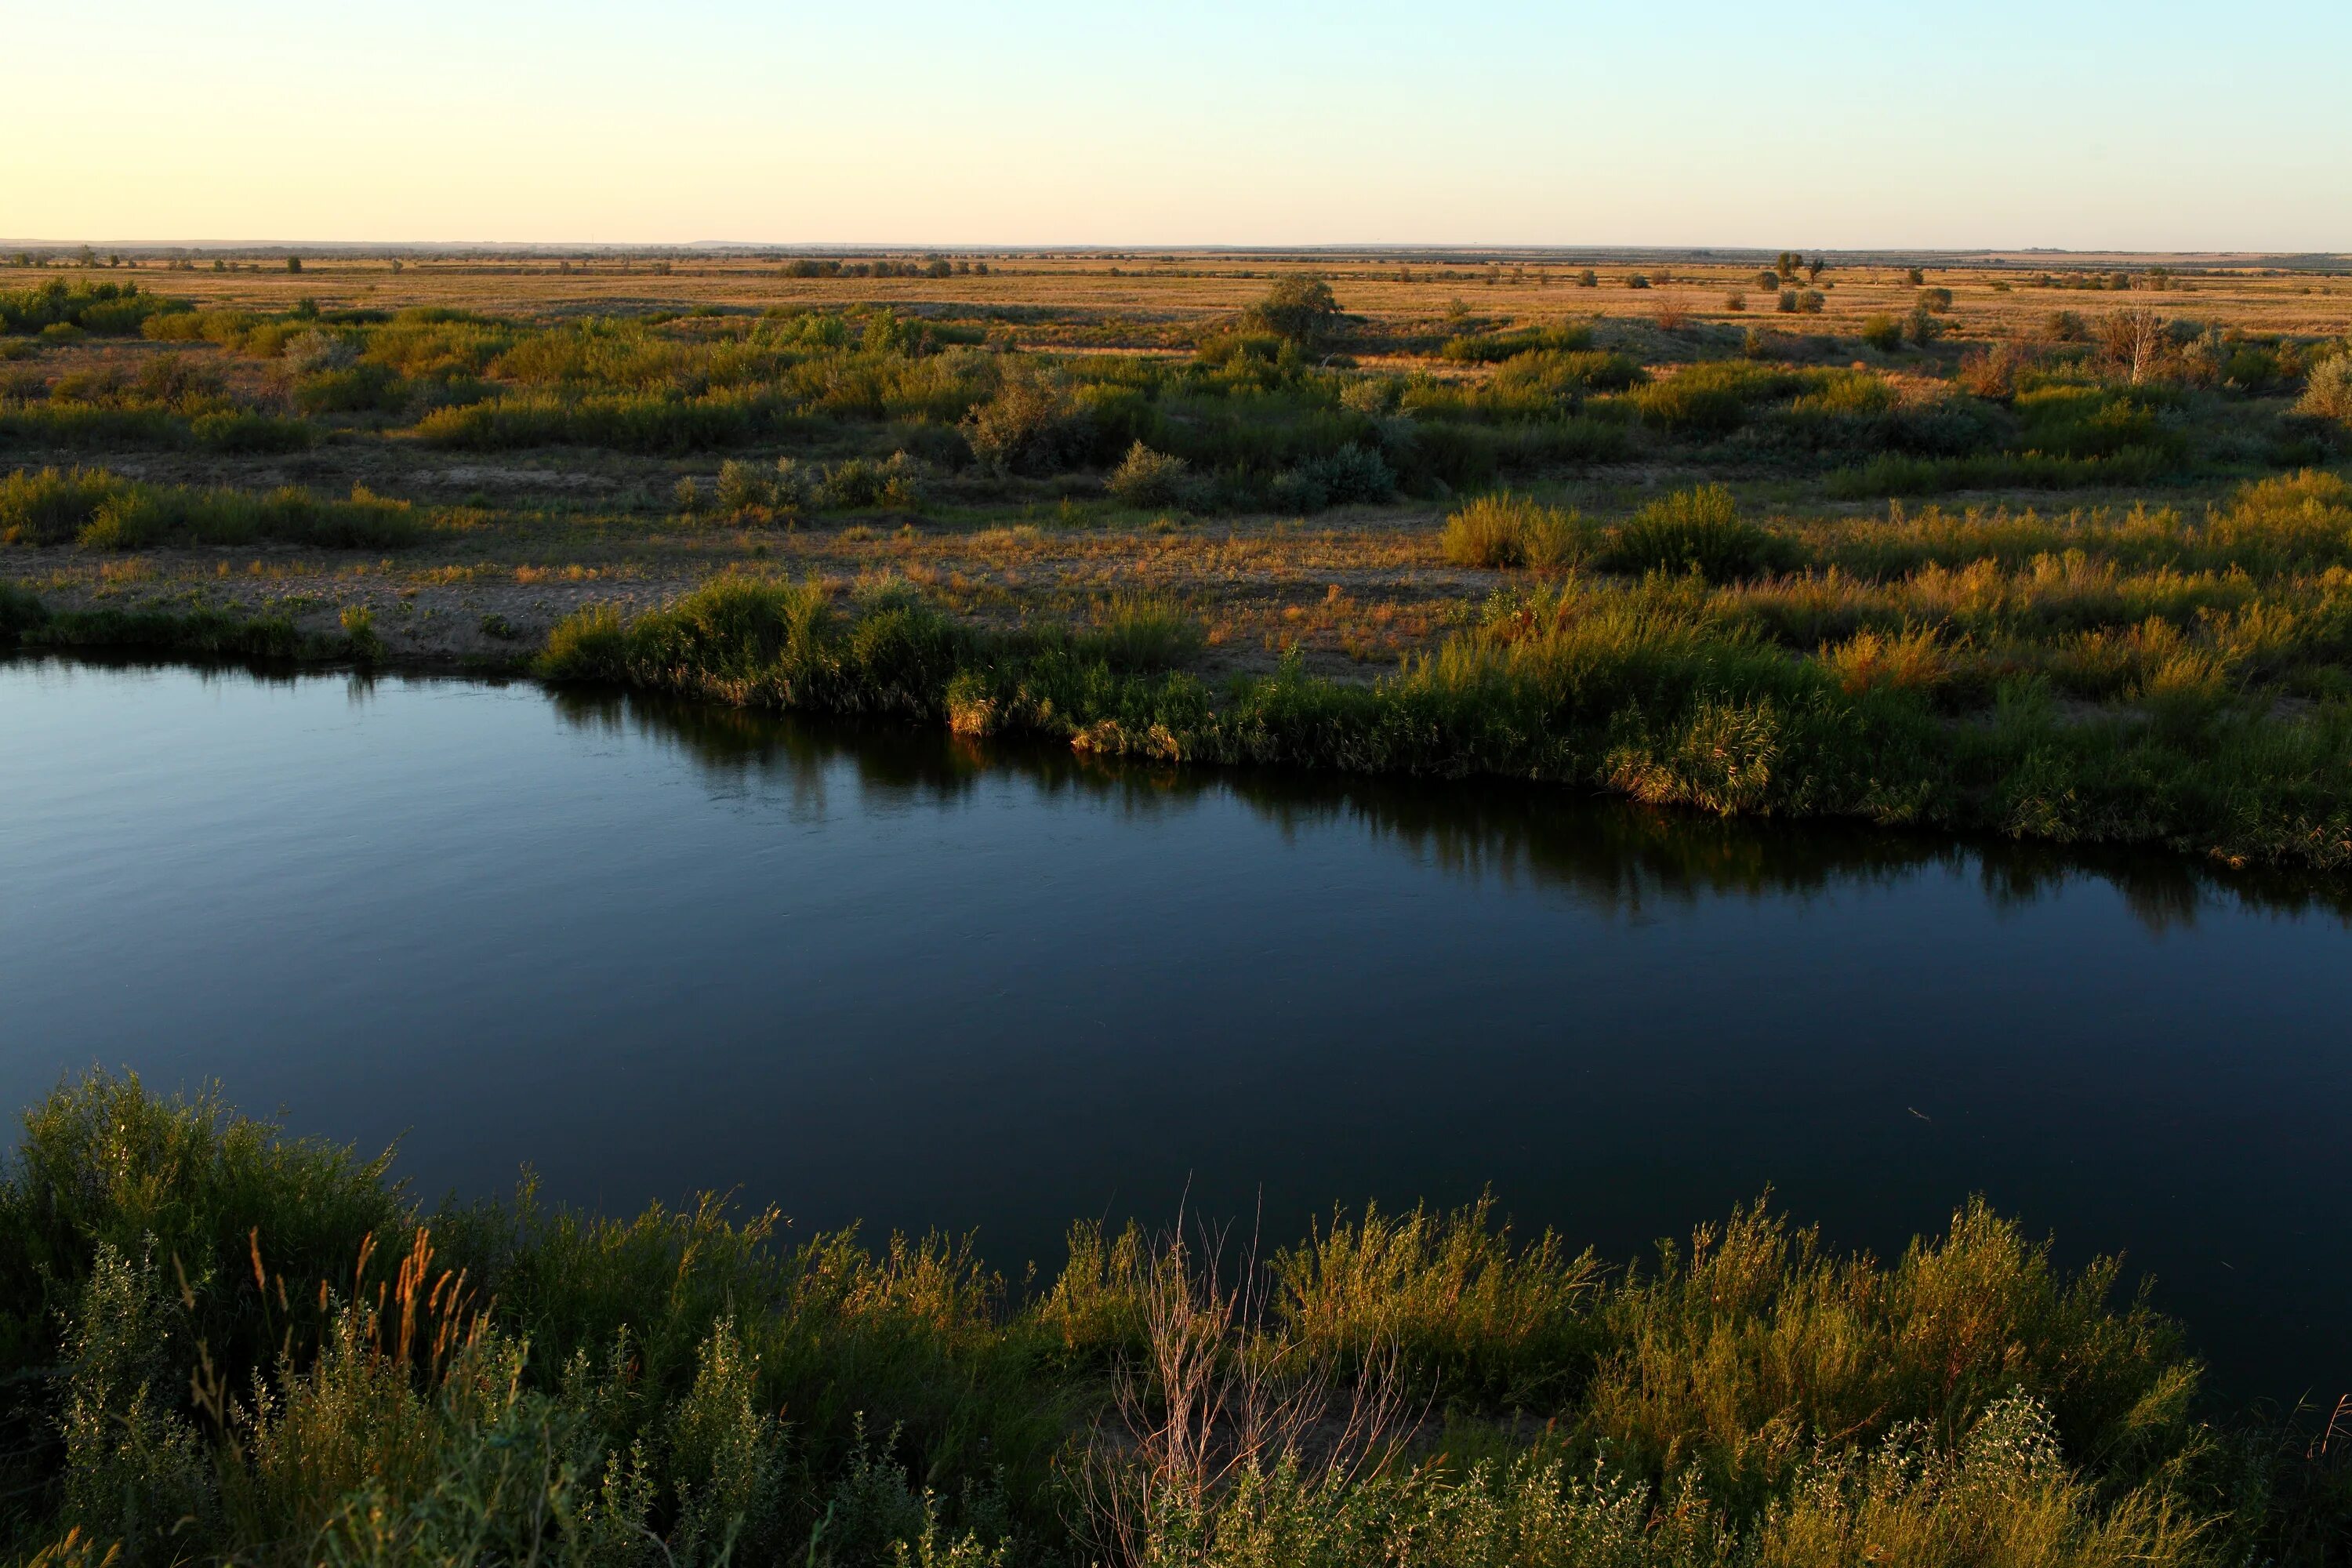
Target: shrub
x,y
105,308
1568,375
1298,309
1030,426
1788,302
2328,390
1698,529
744,488
1490,348
1505,530
1354,474
1883,333
1147,478
861,482
1925,328
104,510
258,433
1710,398
1811,301
353,389
49,507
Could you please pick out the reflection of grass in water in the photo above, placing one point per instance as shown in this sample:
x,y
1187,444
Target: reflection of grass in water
x,y
1611,854
1652,689
259,1347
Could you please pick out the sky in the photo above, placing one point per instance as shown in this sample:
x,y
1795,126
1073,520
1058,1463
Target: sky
x,y
2083,124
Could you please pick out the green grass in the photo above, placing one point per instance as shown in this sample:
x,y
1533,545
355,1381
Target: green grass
x,y
100,510
1665,690
219,1341
1505,530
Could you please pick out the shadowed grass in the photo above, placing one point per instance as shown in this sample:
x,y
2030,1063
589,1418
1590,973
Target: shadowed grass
x,y
218,1339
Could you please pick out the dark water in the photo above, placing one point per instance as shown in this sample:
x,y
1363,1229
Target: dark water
x,y
650,950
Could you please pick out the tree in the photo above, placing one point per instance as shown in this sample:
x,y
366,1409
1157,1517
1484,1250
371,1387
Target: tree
x,y
293,264
1815,268
2133,339
1300,309
1786,266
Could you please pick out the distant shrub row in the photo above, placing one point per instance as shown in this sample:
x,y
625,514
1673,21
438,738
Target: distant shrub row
x,y
102,510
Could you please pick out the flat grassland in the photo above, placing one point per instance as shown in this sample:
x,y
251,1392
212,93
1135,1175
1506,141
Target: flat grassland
x,y
2052,547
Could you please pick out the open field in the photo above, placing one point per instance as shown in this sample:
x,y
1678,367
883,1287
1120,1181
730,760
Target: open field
x,y
2051,549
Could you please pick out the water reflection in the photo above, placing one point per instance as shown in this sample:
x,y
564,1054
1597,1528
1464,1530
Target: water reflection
x,y
1608,854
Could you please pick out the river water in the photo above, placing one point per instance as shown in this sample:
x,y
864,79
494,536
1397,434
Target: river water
x,y
867,974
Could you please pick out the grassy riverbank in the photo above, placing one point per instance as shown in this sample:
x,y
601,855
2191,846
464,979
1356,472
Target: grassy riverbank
x,y
226,1342
1662,688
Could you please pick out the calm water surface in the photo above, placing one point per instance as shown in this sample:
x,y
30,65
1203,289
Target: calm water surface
x,y
649,950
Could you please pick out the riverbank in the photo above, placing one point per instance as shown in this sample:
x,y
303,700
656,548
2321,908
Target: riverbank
x,y
225,1340
1647,689
1643,689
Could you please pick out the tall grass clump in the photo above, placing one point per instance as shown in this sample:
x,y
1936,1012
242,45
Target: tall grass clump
x,y
1504,530
1147,632
102,510
1697,530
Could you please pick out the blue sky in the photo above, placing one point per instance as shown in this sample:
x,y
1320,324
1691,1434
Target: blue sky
x,y
2087,125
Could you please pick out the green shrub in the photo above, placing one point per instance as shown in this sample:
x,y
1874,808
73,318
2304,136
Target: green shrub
x,y
255,432
104,511
1033,425
2327,391
1505,530
1692,530
859,483
1296,309
1147,478
1883,333
1492,348
50,507
1568,375
107,307
351,389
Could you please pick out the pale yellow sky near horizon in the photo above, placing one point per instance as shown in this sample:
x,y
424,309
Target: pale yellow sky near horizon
x,y
2087,126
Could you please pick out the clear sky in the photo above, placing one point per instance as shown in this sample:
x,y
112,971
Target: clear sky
x,y
2133,124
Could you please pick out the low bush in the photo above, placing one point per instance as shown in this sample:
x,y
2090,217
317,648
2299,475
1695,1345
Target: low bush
x,y
102,510
1505,530
1568,375
1692,530
1493,348
1147,478
2327,391
114,308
